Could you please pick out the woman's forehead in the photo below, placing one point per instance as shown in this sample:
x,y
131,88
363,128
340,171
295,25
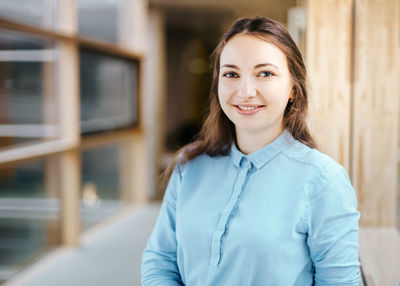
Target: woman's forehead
x,y
245,49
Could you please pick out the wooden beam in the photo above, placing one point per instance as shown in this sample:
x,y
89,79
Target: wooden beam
x,y
110,49
40,148
62,36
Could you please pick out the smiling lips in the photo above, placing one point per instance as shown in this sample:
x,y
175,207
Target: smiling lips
x,y
248,109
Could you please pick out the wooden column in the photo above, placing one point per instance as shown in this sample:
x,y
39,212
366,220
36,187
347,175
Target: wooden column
x,y
5,71
69,116
133,23
328,59
152,104
139,167
376,109
70,197
51,187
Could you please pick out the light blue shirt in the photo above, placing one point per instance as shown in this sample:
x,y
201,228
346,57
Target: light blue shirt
x,y
284,215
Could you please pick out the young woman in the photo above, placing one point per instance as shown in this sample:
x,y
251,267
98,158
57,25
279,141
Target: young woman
x,y
252,202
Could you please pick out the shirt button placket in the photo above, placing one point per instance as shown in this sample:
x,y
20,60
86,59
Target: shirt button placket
x,y
222,225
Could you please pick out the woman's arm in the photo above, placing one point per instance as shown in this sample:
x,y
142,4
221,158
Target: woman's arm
x,y
159,263
333,228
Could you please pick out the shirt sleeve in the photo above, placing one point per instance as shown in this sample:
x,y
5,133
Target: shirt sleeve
x,y
333,228
159,263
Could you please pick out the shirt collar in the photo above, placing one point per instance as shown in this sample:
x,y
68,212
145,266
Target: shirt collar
x,y
265,154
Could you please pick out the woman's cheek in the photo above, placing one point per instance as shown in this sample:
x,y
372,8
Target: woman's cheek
x,y
224,91
274,95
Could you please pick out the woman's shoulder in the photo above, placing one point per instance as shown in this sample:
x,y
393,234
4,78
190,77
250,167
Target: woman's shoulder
x,y
329,178
312,157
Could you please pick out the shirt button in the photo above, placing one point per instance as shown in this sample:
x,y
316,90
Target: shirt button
x,y
246,164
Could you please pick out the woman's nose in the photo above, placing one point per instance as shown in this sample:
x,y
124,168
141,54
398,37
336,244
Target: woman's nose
x,y
247,89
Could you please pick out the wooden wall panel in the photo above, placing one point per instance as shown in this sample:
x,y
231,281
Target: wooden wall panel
x,y
353,61
328,59
375,109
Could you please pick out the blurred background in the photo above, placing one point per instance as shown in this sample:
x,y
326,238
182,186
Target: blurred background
x,y
97,95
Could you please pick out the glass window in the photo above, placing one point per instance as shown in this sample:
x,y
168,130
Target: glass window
x,y
41,13
104,19
27,89
29,213
101,184
108,92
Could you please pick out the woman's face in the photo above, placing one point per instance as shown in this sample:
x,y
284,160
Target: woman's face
x,y
254,85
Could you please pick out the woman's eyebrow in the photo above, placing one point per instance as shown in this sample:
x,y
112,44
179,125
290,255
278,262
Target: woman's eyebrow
x,y
229,66
264,65
255,67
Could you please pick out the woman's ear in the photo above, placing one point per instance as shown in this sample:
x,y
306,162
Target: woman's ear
x,y
291,97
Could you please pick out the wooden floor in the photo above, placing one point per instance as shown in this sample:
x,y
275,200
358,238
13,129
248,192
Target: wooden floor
x,y
380,256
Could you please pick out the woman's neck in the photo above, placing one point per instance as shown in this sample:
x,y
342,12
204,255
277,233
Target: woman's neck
x,y
249,142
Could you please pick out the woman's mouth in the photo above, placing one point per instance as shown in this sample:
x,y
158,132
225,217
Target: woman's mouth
x,y
248,109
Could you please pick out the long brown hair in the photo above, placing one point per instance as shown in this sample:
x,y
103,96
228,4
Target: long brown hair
x,y
218,132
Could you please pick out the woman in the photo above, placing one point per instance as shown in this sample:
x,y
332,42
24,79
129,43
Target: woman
x,y
252,202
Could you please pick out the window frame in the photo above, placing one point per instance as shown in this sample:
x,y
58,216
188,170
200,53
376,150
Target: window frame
x,y
71,142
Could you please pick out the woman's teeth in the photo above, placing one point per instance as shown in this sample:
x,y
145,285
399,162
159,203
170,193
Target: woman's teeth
x,y
247,107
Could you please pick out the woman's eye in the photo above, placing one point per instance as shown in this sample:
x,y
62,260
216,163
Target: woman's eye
x,y
230,75
265,74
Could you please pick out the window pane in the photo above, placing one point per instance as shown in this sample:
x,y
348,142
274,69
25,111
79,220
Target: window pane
x,y
108,92
29,213
27,89
101,184
41,13
102,19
